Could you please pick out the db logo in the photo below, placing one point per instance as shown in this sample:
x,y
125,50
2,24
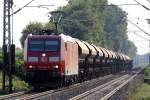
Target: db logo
x,y
43,59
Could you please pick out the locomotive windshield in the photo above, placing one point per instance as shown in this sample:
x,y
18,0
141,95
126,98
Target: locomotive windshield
x,y
51,45
43,45
36,45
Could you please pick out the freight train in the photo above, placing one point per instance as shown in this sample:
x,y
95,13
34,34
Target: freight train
x,y
59,60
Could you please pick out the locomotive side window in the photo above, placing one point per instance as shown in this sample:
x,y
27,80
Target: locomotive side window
x,y
51,45
36,45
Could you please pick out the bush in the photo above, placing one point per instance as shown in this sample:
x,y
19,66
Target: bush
x,y
19,54
147,71
18,70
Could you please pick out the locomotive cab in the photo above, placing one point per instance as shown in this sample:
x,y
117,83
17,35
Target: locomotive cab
x,y
42,58
49,59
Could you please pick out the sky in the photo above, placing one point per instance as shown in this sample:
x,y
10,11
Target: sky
x,y
136,14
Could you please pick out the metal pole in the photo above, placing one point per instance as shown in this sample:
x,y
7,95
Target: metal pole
x,y
56,31
3,73
7,81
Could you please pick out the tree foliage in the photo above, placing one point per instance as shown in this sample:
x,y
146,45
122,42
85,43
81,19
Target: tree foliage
x,y
116,28
92,21
85,20
33,28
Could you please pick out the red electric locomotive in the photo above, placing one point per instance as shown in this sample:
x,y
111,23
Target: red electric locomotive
x,y
50,58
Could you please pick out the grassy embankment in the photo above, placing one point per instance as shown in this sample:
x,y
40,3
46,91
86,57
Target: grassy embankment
x,y
18,84
143,92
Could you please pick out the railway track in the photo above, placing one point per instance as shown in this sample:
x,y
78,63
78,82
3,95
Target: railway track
x,y
105,91
30,95
103,88
17,94
71,92
9,96
109,95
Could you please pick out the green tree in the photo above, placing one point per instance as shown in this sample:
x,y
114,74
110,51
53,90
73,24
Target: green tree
x,y
85,19
116,27
19,54
131,49
116,31
33,28
92,21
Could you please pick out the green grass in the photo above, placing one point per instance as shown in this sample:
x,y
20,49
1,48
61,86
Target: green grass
x,y
142,92
18,84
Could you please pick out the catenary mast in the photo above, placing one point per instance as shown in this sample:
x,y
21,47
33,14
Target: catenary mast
x,y
8,47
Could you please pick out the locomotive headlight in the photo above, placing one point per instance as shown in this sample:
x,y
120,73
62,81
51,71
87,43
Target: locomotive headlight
x,y
30,66
53,59
33,59
43,55
56,66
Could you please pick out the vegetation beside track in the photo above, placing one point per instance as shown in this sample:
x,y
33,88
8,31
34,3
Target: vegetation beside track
x,y
143,91
18,84
18,72
147,73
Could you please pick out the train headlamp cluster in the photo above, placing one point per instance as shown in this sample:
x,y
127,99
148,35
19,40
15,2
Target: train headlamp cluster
x,y
56,66
43,55
30,66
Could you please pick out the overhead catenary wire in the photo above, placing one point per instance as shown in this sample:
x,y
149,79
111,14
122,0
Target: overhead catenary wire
x,y
141,36
139,27
121,5
140,40
22,7
142,5
143,45
138,19
39,5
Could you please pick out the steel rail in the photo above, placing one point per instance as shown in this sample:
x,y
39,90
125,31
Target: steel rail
x,y
64,89
25,93
4,97
115,81
28,96
106,97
